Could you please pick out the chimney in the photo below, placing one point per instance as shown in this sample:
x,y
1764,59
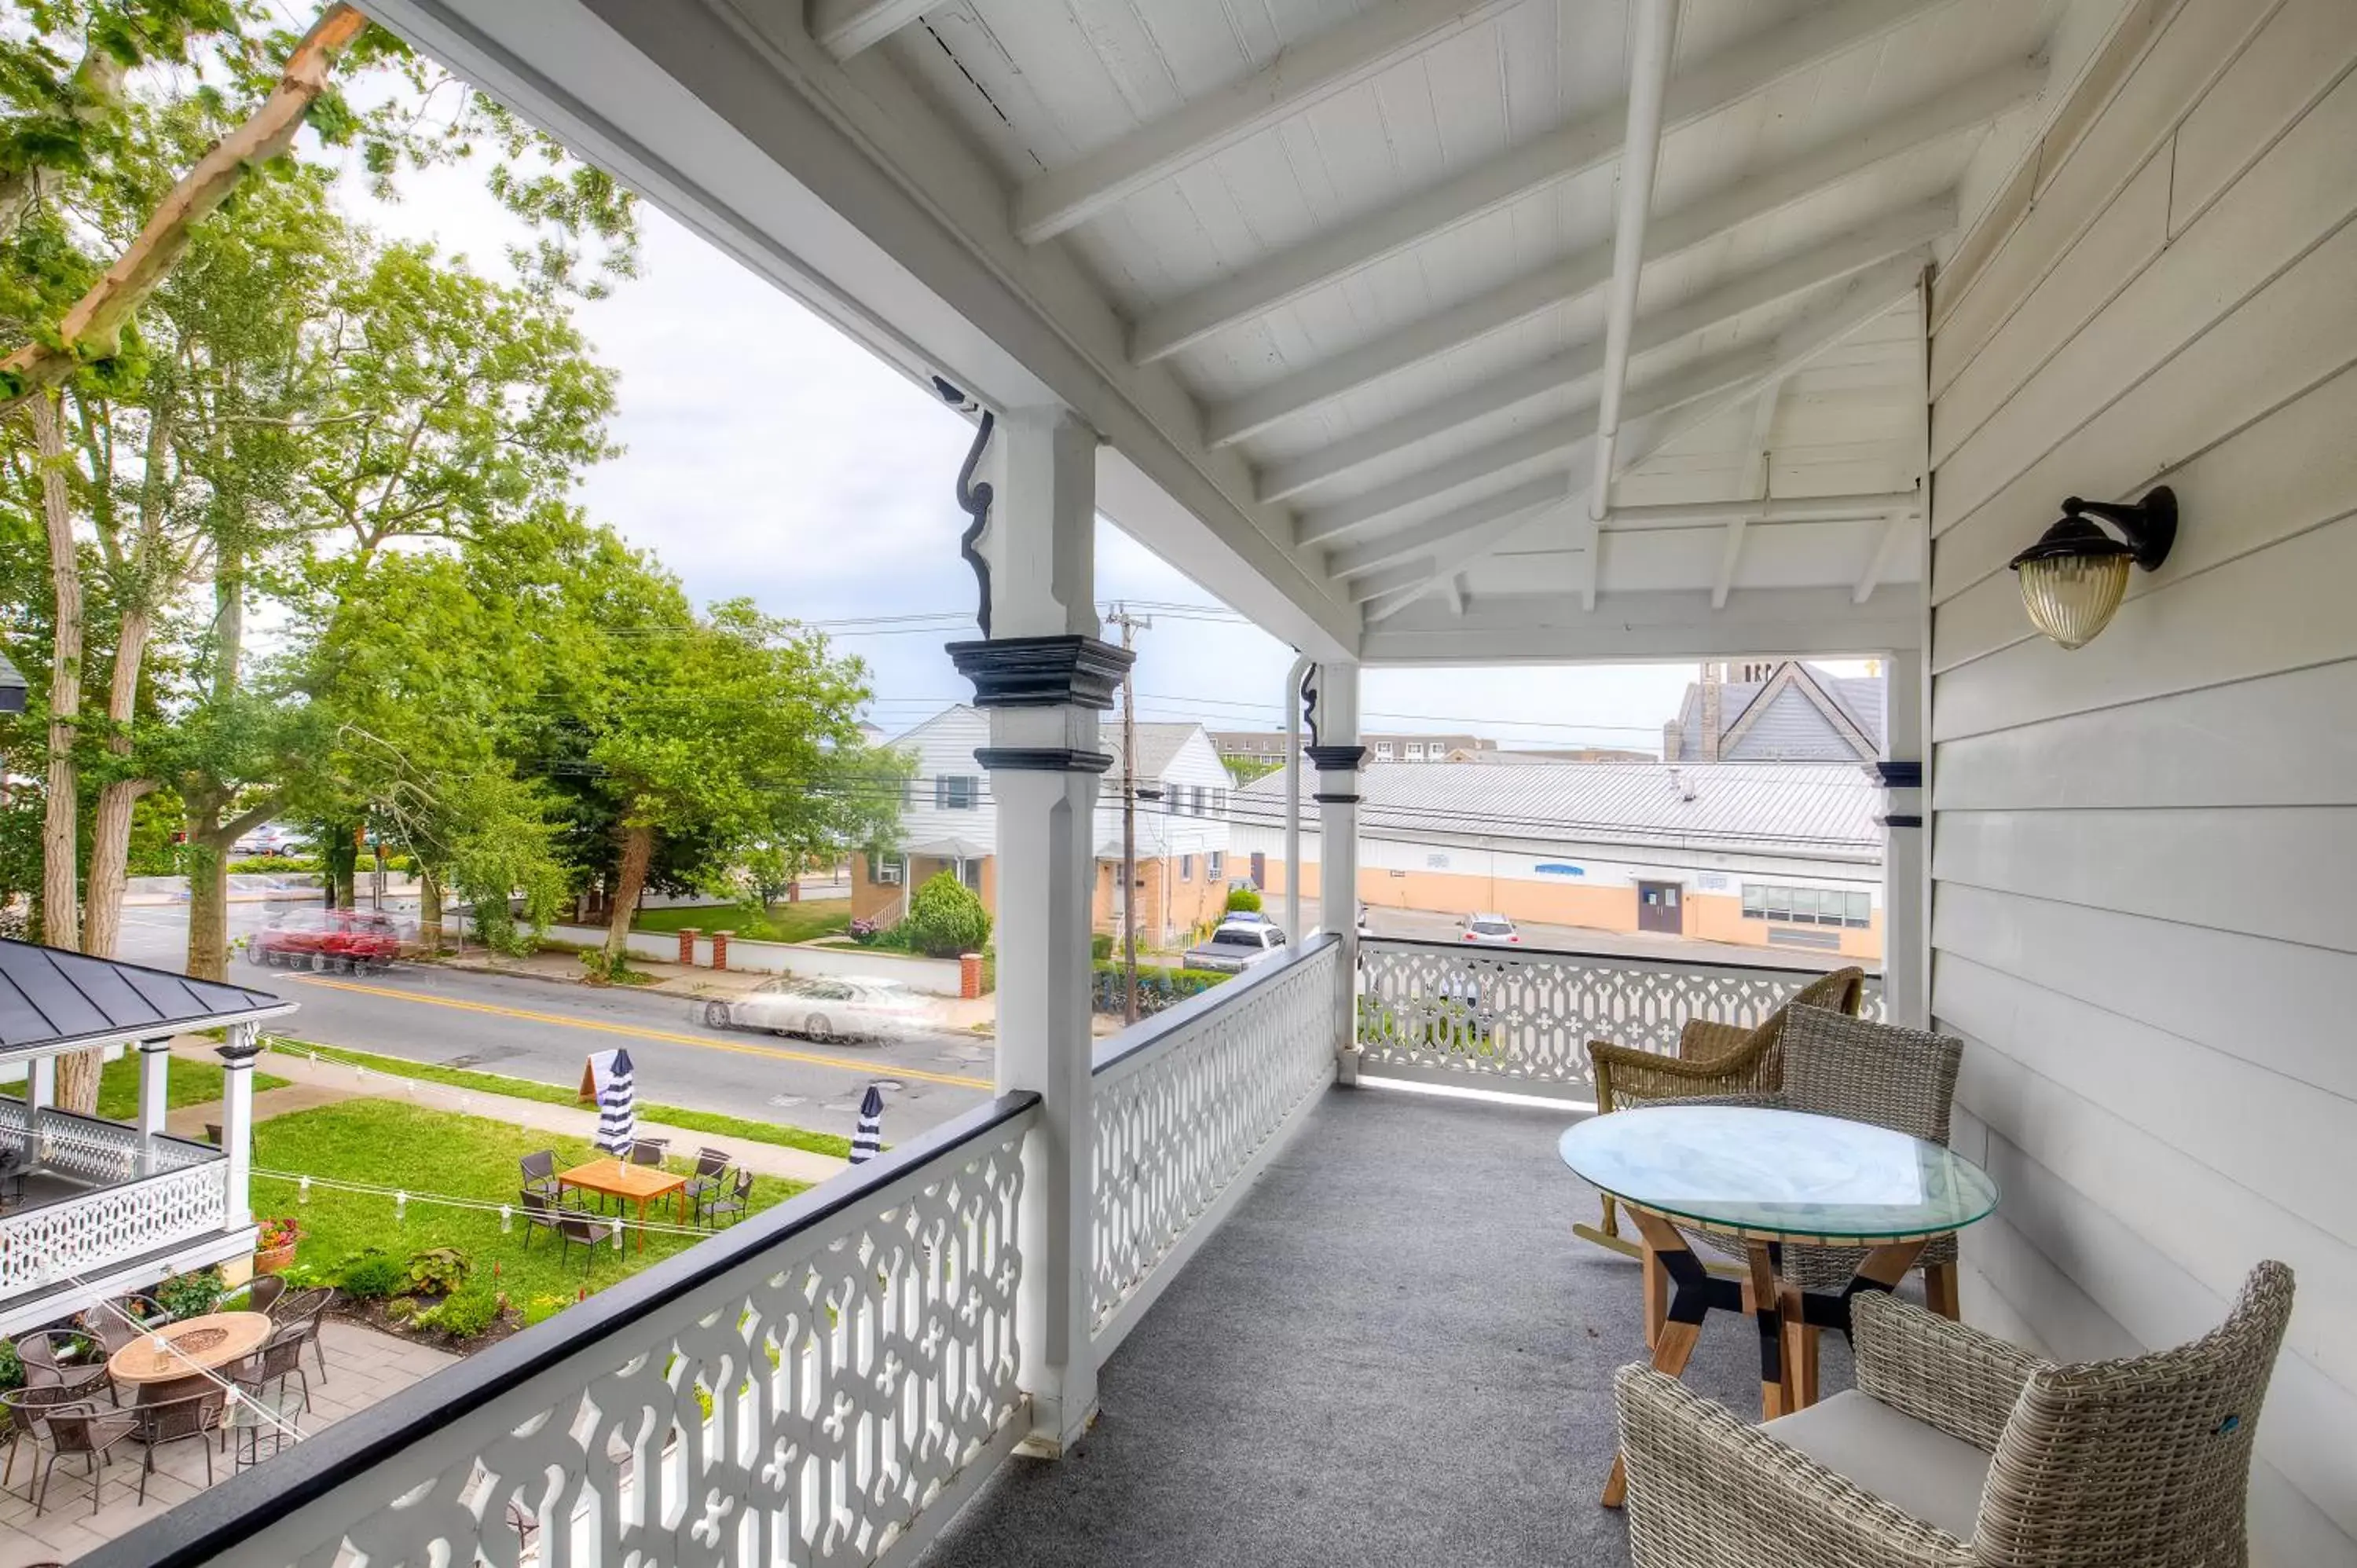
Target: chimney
x,y
1710,678
1674,735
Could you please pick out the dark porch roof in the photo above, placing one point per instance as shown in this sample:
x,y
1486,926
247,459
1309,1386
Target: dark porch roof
x,y
51,998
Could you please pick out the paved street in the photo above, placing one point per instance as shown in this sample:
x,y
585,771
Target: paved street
x,y
538,1029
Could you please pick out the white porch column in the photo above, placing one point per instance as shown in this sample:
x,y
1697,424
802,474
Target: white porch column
x,y
40,1085
1043,675
1335,751
155,1065
237,1118
1906,886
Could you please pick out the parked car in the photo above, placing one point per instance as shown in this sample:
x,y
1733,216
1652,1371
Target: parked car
x,y
364,941
1490,930
270,839
1364,928
835,1011
1236,946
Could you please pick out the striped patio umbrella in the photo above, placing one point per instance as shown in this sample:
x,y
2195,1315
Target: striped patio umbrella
x,y
869,1140
617,1106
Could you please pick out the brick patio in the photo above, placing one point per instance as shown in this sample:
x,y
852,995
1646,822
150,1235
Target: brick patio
x,y
363,1367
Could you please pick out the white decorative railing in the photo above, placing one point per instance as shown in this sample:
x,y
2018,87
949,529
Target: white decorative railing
x,y
1184,1102
54,1242
800,1388
1524,1015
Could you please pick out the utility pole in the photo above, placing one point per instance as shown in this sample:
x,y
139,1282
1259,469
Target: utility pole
x,y
1130,626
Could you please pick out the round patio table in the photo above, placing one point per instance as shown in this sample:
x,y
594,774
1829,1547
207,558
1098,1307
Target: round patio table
x,y
188,1351
1762,1178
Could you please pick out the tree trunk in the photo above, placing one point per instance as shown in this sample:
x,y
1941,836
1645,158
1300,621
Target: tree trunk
x,y
208,899
109,829
638,851
339,862
61,908
429,911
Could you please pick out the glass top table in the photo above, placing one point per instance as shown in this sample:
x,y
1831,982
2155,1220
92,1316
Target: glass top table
x,y
1780,1176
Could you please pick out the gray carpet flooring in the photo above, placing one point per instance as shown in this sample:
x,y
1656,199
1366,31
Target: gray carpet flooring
x,y
1394,1352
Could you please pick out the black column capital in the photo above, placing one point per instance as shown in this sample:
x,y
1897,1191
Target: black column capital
x,y
1336,758
1899,775
1041,672
151,1046
1041,759
238,1055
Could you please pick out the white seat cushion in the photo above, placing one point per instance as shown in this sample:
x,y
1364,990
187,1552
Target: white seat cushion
x,y
1917,1469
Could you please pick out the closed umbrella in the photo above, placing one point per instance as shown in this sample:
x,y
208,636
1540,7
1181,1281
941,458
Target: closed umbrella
x,y
617,1106
869,1140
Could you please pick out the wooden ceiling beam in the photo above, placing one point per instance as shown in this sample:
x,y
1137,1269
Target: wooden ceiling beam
x,y
1714,85
844,27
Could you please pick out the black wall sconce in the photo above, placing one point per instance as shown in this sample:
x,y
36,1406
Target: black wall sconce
x,y
2074,577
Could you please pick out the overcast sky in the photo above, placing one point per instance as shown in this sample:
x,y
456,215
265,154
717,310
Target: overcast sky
x,y
769,455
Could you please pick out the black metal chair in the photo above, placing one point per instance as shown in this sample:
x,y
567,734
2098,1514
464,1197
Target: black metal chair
x,y
117,1323
54,1356
539,1169
308,1308
167,1421
573,1228
649,1151
540,1213
263,1293
82,1427
711,1175
27,1410
736,1203
280,1357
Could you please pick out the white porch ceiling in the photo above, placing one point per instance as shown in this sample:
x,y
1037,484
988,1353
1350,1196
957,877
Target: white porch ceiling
x,y
1332,274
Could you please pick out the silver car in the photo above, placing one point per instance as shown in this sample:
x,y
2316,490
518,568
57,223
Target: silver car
x,y
1236,946
838,1012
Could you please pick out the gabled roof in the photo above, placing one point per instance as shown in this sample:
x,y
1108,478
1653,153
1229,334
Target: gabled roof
x,y
1158,744
51,998
1825,808
1778,719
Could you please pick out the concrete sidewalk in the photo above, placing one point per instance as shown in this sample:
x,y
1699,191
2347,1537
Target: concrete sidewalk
x,y
312,1084
563,967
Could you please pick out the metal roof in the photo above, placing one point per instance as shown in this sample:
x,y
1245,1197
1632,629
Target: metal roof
x,y
1817,808
51,998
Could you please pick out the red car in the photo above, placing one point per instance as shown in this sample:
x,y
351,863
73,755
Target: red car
x,y
361,940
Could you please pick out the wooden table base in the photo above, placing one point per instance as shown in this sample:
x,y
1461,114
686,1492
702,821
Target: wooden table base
x,y
1787,1318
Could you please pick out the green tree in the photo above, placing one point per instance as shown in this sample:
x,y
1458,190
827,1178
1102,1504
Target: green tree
x,y
946,917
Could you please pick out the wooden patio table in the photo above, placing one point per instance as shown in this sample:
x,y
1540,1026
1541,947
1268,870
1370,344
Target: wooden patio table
x,y
189,1349
1763,1178
641,1185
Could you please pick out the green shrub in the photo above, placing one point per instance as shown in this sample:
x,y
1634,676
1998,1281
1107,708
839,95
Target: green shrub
x,y
270,864
1101,946
1244,900
440,1270
191,1294
371,1276
400,1308
1157,988
464,1314
12,1370
946,919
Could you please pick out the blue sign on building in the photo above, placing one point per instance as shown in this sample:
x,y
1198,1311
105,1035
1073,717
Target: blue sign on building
x,y
1556,869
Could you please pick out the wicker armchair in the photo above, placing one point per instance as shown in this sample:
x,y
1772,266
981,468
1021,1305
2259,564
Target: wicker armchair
x,y
1713,1060
1956,1450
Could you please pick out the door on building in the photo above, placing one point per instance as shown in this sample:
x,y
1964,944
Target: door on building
x,y
1657,908
1259,869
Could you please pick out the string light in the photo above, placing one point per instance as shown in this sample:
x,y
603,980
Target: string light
x,y
480,1206
506,1220
303,1190
400,1205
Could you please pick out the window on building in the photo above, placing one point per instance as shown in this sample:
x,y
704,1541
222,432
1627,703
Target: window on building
x,y
1808,906
1382,751
956,791
972,870
890,870
1415,751
1186,868
1212,866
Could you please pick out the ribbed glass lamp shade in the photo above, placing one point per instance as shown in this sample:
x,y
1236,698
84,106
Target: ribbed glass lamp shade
x,y
2071,597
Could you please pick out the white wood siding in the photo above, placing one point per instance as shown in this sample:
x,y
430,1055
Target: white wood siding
x,y
2144,851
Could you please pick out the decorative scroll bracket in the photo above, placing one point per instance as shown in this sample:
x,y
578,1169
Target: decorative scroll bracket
x,y
973,499
1309,702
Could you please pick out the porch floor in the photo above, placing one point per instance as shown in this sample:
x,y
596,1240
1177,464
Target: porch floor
x,y
1394,1352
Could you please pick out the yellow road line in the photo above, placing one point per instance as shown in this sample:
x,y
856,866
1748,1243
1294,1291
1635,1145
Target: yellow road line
x,y
870,1069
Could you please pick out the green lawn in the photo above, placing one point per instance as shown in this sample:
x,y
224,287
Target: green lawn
x,y
801,922
188,1083
783,1136
393,1144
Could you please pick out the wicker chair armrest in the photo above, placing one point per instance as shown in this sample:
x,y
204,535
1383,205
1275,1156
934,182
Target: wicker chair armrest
x,y
1705,1488
1624,1074
1941,1373
1704,1039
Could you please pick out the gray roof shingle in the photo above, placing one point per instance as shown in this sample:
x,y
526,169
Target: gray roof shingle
x,y
49,996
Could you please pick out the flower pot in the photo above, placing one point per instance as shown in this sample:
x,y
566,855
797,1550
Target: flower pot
x,y
274,1260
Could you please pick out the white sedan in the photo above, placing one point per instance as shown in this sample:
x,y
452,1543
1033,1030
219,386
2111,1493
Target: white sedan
x,y
1489,930
835,1011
